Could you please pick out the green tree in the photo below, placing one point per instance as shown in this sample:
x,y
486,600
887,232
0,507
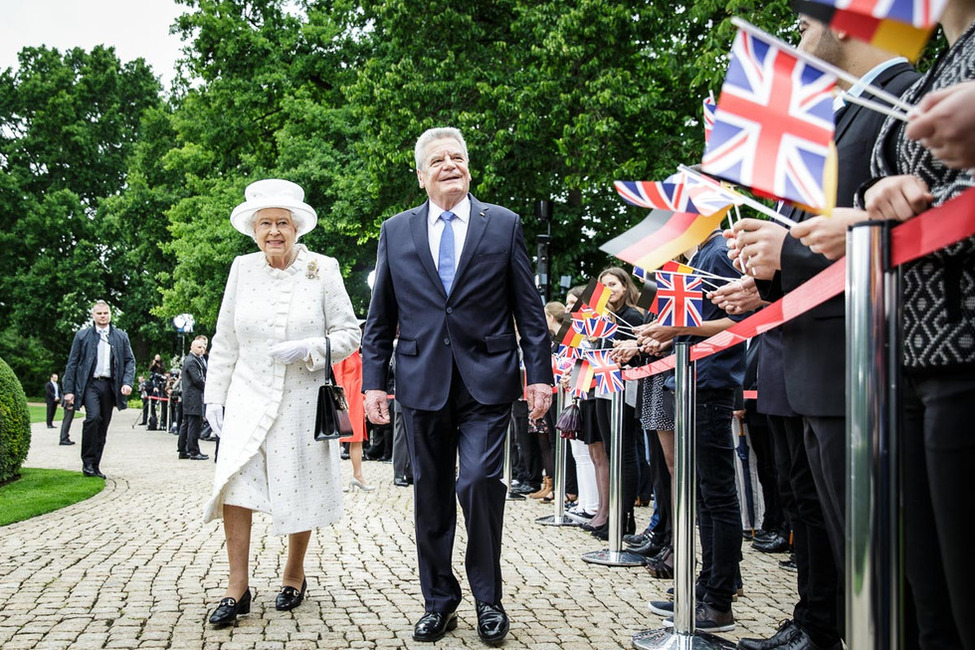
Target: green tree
x,y
67,125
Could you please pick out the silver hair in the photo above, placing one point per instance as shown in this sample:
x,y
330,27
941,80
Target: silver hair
x,y
437,133
99,302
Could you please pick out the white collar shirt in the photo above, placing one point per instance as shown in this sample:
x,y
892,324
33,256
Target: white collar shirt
x,y
435,226
103,366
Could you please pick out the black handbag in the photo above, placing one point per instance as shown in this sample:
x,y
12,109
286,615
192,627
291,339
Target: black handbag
x,y
332,419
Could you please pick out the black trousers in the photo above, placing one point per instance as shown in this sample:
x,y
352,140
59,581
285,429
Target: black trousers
x,y
52,409
472,433
719,514
66,423
662,490
817,576
825,442
99,401
776,490
189,434
938,458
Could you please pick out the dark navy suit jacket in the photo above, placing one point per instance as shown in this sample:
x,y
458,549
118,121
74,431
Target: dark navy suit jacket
x,y
473,327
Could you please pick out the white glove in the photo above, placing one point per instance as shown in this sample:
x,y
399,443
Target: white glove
x,y
215,418
290,351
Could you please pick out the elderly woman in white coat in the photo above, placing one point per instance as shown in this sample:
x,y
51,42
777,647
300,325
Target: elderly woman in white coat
x,y
280,307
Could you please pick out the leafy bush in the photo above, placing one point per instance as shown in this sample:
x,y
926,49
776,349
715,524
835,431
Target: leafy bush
x,y
14,424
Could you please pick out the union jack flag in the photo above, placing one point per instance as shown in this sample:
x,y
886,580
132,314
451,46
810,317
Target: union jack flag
x,y
919,13
774,124
709,108
680,299
561,366
652,194
608,375
641,273
594,326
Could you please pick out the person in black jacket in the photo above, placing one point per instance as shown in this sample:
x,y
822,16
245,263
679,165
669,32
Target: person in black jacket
x,y
193,379
52,395
812,346
100,372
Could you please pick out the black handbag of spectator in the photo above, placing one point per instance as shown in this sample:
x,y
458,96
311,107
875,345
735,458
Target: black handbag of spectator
x,y
332,415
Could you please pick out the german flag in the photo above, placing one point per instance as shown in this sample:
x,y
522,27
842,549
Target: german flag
x,y
661,237
583,381
595,297
569,336
900,26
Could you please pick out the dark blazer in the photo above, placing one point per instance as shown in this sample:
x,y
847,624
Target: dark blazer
x,y
49,394
193,379
473,328
813,343
84,354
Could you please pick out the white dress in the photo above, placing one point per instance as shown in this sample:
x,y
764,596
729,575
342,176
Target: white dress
x,y
268,459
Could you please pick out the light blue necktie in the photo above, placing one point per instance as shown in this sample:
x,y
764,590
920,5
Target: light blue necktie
x,y
446,265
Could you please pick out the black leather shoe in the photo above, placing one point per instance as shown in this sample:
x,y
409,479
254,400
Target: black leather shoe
x,y
199,457
797,640
66,442
289,597
400,481
434,625
637,540
786,631
92,472
777,544
184,456
601,532
229,609
649,549
524,489
492,623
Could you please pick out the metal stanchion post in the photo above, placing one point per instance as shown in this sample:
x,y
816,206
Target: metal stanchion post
x,y
559,518
683,636
509,441
614,556
873,563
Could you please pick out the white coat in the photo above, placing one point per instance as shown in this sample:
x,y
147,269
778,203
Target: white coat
x,y
270,406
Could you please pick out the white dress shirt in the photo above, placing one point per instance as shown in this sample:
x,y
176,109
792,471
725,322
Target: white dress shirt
x,y
103,366
435,226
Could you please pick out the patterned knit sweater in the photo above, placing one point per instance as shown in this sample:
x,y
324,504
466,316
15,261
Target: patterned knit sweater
x,y
938,290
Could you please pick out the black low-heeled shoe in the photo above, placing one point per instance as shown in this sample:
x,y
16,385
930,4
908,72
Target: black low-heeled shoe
x,y
229,609
289,597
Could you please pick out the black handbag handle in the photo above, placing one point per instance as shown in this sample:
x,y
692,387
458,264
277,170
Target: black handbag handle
x,y
329,375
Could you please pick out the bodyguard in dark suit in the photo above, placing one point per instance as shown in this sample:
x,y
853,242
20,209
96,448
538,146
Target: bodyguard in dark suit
x,y
193,379
52,395
455,276
100,371
813,347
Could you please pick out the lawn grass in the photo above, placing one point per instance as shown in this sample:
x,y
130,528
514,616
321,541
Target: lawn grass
x,y
38,413
39,491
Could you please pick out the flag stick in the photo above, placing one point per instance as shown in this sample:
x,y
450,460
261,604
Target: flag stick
x,y
753,204
874,106
704,280
820,64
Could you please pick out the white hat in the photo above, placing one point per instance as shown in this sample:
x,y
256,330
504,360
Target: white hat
x,y
273,193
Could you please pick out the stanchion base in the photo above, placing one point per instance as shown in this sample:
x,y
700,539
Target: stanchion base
x,y
607,557
552,520
515,497
668,638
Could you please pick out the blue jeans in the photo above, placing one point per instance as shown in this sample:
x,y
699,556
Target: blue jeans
x,y
719,516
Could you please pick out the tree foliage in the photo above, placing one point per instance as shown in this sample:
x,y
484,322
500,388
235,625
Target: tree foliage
x,y
110,191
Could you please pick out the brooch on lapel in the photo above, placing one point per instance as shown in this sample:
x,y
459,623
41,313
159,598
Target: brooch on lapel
x,y
311,271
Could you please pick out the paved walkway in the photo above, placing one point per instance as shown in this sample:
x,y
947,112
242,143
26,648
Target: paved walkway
x,y
133,567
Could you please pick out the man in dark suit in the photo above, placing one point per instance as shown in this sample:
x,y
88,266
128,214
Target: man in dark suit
x,y
455,276
193,379
813,348
100,371
52,395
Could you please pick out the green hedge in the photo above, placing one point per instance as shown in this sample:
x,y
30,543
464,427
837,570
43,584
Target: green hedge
x,y
14,424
